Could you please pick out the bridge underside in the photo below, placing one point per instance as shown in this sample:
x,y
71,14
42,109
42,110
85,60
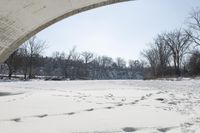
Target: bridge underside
x,y
21,19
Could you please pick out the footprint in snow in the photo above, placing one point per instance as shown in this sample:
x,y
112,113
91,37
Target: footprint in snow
x,y
164,130
160,92
92,109
129,129
42,116
149,95
109,107
132,103
160,99
142,98
71,113
120,104
16,119
136,101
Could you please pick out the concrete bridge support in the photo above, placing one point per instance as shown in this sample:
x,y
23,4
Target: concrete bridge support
x,y
21,19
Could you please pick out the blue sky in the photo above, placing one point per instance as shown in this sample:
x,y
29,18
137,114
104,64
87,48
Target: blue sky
x,y
119,30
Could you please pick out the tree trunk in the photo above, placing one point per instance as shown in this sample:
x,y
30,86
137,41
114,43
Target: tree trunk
x,y
9,75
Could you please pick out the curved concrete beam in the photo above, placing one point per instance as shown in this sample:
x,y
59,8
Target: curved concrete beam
x,y
21,19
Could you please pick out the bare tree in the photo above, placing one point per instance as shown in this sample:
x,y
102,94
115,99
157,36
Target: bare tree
x,y
134,63
73,55
74,69
194,25
87,57
106,61
33,48
59,63
121,63
179,43
163,54
153,59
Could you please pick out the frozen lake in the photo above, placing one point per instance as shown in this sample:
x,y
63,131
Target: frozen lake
x,y
100,106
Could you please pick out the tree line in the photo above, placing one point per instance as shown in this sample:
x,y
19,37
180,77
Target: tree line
x,y
176,53
172,53
29,62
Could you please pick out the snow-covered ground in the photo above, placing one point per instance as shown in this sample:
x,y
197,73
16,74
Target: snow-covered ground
x,y
100,106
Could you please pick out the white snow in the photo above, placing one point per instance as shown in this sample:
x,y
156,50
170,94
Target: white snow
x,y
156,106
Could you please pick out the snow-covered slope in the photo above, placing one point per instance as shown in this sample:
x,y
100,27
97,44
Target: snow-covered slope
x,y
100,107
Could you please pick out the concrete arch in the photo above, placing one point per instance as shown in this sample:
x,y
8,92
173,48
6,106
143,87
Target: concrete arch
x,y
21,19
